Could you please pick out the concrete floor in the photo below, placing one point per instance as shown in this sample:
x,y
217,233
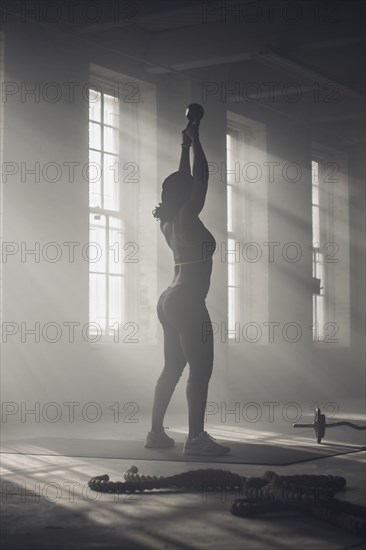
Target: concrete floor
x,y
47,505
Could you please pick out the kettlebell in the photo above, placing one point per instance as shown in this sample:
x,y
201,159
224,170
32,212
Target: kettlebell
x,y
194,113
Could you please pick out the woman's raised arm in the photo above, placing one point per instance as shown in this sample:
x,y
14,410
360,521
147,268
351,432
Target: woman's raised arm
x,y
184,163
200,172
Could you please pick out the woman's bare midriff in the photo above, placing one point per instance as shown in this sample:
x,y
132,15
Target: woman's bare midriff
x,y
195,275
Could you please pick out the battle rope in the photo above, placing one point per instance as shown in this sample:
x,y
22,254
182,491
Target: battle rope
x,y
312,494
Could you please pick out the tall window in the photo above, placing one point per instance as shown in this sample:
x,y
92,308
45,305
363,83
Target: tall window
x,y
122,193
330,247
107,228
234,298
318,259
247,229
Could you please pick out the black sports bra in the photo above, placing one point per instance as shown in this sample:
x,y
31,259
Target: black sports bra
x,y
199,251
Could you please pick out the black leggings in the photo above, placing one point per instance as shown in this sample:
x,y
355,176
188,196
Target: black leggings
x,y
188,337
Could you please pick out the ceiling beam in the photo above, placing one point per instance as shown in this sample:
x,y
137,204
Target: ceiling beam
x,y
199,63
274,60
338,118
267,57
191,15
329,44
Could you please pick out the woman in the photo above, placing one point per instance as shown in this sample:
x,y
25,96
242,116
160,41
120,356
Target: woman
x,y
181,309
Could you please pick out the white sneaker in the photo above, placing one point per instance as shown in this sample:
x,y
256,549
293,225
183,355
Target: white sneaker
x,y
158,440
204,445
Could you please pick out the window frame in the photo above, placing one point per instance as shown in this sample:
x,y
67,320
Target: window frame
x,y
125,214
251,134
324,156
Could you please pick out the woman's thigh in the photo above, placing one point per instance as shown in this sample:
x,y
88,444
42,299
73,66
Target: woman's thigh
x,y
173,353
188,314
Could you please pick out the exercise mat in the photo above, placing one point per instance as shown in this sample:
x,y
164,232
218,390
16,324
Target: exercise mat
x,y
241,452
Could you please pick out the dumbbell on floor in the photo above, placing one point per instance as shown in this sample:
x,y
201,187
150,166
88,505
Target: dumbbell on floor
x,y
319,425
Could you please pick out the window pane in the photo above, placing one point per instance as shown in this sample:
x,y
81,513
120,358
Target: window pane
x,y
110,140
111,110
232,310
228,141
116,299
116,250
316,228
110,182
320,270
95,135
97,244
315,202
232,251
229,208
232,158
97,302
318,328
315,172
231,273
95,179
95,101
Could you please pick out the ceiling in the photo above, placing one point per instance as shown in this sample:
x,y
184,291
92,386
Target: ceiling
x,y
303,41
